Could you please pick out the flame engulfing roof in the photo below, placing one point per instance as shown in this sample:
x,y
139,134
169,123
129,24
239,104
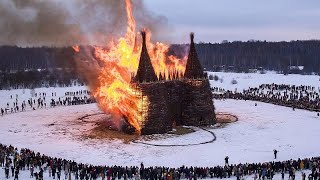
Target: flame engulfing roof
x,y
193,69
145,71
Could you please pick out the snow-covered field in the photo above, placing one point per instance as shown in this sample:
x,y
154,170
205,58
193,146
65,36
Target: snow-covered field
x,y
260,129
246,80
25,94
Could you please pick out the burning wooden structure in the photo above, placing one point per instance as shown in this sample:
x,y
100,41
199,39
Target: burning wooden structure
x,y
173,99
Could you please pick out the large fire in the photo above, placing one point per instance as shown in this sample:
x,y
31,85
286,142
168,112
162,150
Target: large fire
x,y
120,61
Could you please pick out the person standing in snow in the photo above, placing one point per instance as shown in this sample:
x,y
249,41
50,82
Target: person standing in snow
x,y
50,171
16,174
41,174
12,171
58,175
303,176
54,171
6,170
137,176
66,172
226,160
275,152
293,173
31,171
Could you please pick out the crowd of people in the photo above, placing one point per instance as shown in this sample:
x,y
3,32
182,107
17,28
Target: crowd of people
x,y
39,100
14,161
301,97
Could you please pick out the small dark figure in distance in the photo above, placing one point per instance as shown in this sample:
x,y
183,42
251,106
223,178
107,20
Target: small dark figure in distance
x,y
226,160
275,153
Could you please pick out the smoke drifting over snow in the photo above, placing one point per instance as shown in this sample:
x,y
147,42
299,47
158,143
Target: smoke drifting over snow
x,y
71,22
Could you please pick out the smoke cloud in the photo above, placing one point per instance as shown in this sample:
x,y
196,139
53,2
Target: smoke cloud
x,y
71,22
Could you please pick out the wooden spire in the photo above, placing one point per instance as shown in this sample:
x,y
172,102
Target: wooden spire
x,y
193,69
145,71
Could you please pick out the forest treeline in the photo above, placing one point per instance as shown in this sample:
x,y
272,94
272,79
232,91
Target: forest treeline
x,y
58,63
36,67
13,58
241,56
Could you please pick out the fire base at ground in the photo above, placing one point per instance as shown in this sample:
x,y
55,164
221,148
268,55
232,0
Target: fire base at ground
x,y
106,128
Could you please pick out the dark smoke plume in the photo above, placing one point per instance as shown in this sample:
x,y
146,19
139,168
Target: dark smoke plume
x,y
70,22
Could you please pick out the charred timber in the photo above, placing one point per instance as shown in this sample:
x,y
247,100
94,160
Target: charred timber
x,y
176,101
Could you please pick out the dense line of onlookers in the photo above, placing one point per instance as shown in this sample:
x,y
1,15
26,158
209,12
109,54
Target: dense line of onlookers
x,y
15,161
302,97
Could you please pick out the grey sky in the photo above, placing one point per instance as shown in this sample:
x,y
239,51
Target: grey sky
x,y
217,20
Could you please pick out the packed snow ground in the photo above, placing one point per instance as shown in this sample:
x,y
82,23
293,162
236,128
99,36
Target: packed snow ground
x,y
260,129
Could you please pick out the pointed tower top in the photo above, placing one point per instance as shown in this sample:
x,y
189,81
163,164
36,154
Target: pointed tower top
x,y
143,35
145,71
192,38
193,69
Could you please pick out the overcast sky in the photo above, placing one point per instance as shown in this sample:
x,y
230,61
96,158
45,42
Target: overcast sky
x,y
217,20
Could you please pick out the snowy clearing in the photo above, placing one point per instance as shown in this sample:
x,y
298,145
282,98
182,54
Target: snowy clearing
x,y
259,129
25,94
246,80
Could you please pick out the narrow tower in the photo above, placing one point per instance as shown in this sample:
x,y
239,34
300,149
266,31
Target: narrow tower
x,y
198,109
145,71
193,69
153,114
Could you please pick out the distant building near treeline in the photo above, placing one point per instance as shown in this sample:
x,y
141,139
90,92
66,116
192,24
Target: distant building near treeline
x,y
296,69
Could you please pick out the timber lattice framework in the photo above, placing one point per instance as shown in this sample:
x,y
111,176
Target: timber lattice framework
x,y
178,100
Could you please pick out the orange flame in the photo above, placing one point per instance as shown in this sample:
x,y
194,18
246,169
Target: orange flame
x,y
114,92
76,48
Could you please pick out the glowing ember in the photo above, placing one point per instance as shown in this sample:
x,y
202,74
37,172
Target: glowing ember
x,y
76,48
113,92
